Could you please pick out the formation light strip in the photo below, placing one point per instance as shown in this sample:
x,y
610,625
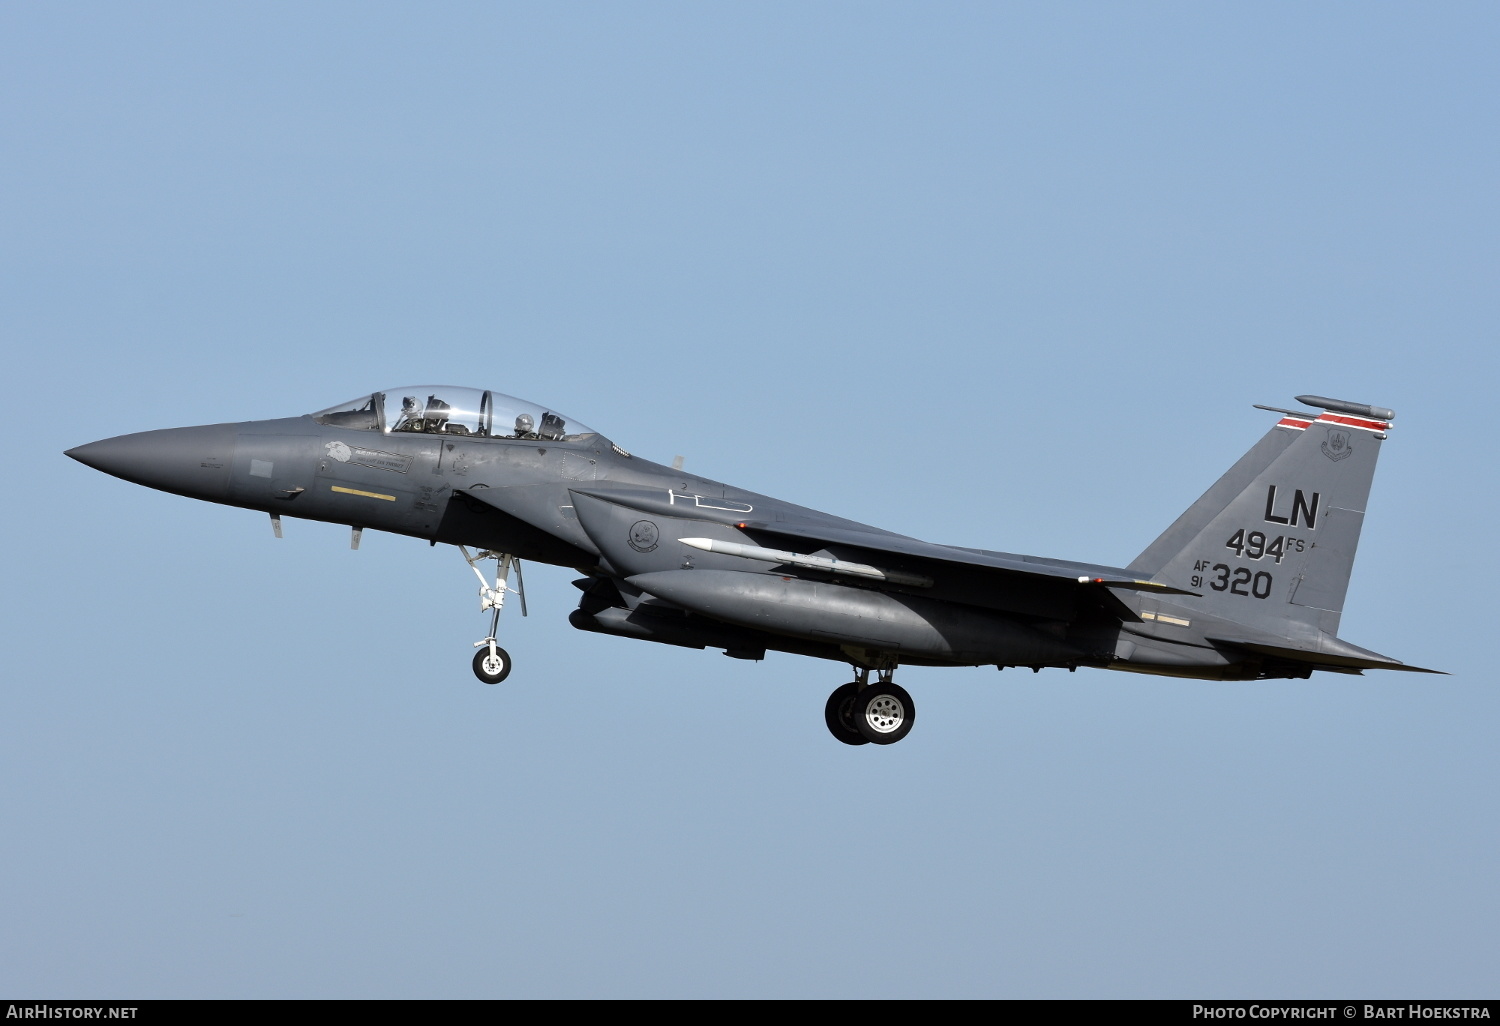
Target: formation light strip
x,y
368,495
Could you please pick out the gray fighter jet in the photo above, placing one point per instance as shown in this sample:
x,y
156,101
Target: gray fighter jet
x,y
1247,584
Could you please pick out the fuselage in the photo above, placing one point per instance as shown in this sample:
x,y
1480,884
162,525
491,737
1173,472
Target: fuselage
x,y
1248,583
537,499
673,557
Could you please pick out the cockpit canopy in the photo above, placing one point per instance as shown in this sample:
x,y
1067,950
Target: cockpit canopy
x,y
446,410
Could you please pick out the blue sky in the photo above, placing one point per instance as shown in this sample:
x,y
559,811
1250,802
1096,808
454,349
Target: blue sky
x,y
998,275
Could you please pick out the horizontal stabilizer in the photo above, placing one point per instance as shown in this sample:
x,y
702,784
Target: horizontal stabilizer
x,y
1328,652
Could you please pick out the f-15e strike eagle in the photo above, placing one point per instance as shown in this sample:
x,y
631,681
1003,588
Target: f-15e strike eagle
x,y
1247,584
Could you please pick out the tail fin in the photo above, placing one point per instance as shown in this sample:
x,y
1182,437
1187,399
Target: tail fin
x,y
1212,502
1271,545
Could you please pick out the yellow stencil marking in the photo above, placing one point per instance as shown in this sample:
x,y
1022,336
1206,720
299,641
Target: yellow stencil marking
x,y
368,495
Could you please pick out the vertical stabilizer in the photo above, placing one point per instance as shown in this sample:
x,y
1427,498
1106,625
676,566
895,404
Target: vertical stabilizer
x,y
1212,502
1272,544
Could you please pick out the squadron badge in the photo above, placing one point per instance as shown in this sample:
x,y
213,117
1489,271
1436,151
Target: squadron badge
x,y
1337,446
643,536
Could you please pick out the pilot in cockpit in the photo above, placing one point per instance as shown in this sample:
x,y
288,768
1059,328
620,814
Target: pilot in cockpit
x,y
525,426
411,414
435,417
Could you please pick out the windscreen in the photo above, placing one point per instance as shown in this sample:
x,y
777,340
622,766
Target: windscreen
x,y
450,410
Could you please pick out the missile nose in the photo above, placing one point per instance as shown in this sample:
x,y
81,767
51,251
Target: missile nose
x,y
189,461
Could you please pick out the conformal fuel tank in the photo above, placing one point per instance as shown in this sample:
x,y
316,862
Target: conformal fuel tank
x,y
877,620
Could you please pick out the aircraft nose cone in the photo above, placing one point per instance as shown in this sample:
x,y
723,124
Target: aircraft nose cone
x,y
102,455
191,461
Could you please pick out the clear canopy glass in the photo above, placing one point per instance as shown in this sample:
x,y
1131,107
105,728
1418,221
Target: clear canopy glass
x,y
449,410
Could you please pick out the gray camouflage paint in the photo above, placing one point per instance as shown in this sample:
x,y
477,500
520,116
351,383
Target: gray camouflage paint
x,y
1248,583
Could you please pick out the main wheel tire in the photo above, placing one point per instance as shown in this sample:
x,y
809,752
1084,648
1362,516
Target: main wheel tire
x,y
839,715
884,713
492,669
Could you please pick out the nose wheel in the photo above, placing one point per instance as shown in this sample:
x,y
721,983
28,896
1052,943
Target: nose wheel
x,y
860,713
492,663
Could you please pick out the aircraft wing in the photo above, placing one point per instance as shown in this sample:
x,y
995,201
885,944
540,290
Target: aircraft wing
x,y
855,543
871,543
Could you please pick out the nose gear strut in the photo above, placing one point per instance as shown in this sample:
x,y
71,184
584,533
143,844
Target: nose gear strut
x,y
492,663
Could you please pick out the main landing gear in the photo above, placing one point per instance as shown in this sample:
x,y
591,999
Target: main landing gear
x,y
861,713
492,663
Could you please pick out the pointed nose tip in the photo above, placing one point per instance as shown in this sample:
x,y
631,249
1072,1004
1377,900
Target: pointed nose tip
x,y
94,454
189,461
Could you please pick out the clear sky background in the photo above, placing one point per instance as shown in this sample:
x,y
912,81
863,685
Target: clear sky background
x,y
995,275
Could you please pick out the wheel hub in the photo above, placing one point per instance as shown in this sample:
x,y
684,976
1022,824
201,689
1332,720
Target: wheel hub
x,y
885,714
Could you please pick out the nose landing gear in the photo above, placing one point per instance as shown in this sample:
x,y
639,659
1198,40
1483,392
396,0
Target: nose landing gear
x,y
861,713
492,663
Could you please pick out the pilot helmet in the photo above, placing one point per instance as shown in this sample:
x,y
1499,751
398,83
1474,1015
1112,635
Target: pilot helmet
x,y
524,424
